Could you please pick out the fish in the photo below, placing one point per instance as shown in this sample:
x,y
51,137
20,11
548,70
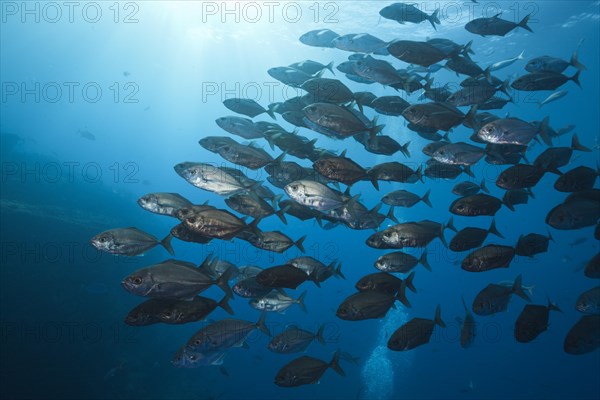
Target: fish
x,y
163,203
552,97
325,90
250,288
534,81
402,13
295,340
289,76
248,156
556,157
471,238
461,64
577,179
469,188
181,232
253,206
393,172
495,26
413,52
468,328
381,144
277,301
384,283
312,67
494,298
370,305
512,131
579,210
514,197
315,269
239,126
147,313
361,43
181,311
172,279
213,143
532,321
215,223
398,261
408,234
282,276
379,71
316,195
338,122
441,116
553,64
520,176
129,241
475,205
210,178
306,370
588,302
584,336
86,134
275,241
319,38
247,107
438,170
505,63
459,153
488,257
390,105
415,332
532,244
340,169
404,198
184,358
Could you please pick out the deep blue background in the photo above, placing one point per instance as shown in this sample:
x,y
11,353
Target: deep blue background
x,y
62,306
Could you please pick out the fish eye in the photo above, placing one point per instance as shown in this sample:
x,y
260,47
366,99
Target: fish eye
x,y
294,187
460,207
193,172
191,220
192,357
197,342
137,280
102,239
387,234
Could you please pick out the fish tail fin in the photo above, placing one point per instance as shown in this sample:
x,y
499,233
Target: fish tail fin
x,y
467,170
335,364
523,23
271,110
223,281
166,243
504,88
493,230
464,304
409,282
338,271
224,304
390,215
425,198
543,131
401,295
576,145
438,317
466,50
319,334
521,56
509,205
419,173
300,301
298,244
424,262
260,324
575,78
553,307
575,62
470,117
530,193
281,214
487,73
433,18
483,187
374,181
450,225
550,238
404,149
517,289
330,67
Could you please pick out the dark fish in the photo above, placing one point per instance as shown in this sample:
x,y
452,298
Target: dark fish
x,y
319,38
315,269
327,90
403,198
512,131
295,340
415,332
299,211
553,64
239,126
577,179
588,302
289,76
494,103
495,26
381,144
390,105
402,13
419,53
253,206
432,147
398,261
312,67
532,321
213,143
584,336
181,311
317,195
459,153
543,81
532,244
340,169
435,93
370,305
282,276
579,210
378,71
249,288
147,313
306,370
337,121
516,196
408,234
519,176
247,107
471,238
475,205
450,48
494,298
129,241
503,154
438,170
384,283
181,232
361,43
468,329
274,241
479,95
215,223
163,203
488,257
592,268
172,279
441,116
394,172
469,188
213,179
464,65
553,158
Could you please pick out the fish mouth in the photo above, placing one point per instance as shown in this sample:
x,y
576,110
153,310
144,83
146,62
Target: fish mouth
x,y
127,285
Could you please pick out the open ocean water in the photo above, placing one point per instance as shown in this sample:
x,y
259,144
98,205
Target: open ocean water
x,y
100,100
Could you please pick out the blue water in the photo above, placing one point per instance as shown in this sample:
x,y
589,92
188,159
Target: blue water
x,y
148,79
